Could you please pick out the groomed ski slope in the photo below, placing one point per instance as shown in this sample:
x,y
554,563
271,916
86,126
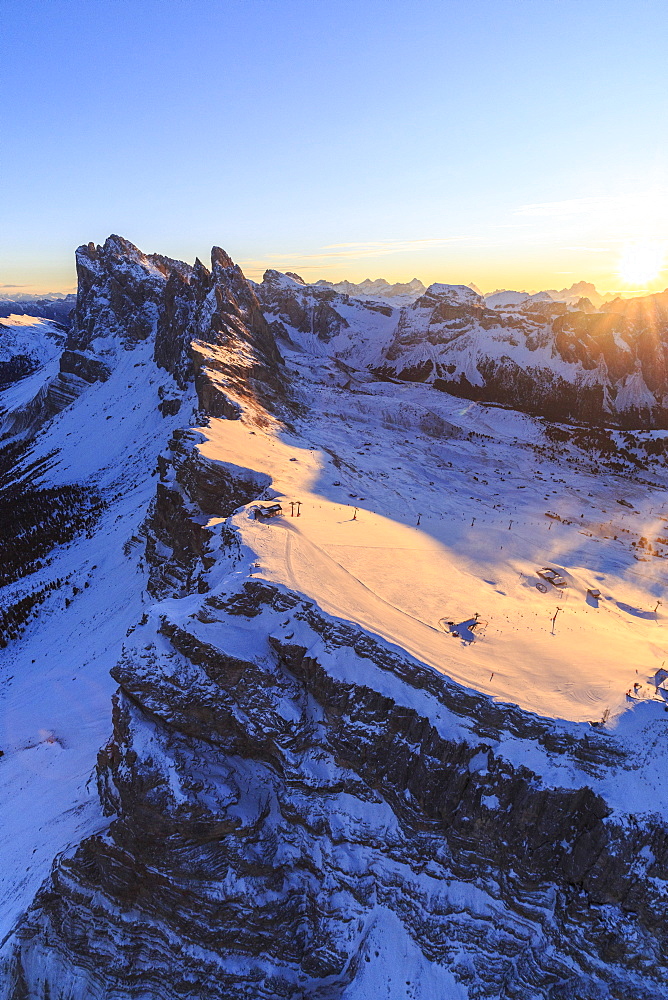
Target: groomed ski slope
x,y
476,550
365,446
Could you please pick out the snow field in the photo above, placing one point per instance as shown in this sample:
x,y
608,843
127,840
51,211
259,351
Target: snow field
x,y
470,554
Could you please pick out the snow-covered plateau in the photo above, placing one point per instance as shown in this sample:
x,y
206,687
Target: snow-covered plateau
x,y
403,738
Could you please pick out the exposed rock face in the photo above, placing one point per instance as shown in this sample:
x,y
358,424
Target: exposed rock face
x,y
565,360
307,309
190,491
120,294
540,356
203,323
235,355
324,320
126,296
15,368
284,790
269,812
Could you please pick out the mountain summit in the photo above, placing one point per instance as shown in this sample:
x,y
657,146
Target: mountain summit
x,y
321,680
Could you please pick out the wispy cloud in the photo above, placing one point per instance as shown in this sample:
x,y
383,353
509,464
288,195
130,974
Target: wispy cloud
x,y
332,254
588,228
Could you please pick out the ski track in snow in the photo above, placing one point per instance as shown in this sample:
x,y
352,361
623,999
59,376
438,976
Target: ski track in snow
x,y
469,556
382,571
482,536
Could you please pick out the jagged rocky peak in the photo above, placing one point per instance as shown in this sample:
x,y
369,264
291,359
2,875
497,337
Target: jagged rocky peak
x,y
319,318
200,325
278,279
579,290
296,308
236,361
237,312
126,296
120,290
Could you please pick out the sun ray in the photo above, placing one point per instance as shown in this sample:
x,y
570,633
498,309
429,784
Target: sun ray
x,y
641,263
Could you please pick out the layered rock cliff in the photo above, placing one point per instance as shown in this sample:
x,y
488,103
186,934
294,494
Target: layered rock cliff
x,y
563,361
324,321
273,820
296,807
193,318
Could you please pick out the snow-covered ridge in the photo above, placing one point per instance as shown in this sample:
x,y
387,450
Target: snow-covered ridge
x,y
351,752
455,294
555,355
504,299
29,350
33,336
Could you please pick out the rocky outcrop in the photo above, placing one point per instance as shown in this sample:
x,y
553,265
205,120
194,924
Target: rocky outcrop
x,y
120,295
544,357
267,812
324,321
306,309
202,324
191,491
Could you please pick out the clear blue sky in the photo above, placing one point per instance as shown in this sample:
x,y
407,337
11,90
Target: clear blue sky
x,y
506,142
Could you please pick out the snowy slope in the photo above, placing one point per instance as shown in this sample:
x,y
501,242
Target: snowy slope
x,y
353,752
27,344
550,354
38,338
55,698
483,496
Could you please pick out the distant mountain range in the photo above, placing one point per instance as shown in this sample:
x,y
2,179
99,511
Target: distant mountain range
x,y
578,290
571,354
55,307
379,288
566,354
